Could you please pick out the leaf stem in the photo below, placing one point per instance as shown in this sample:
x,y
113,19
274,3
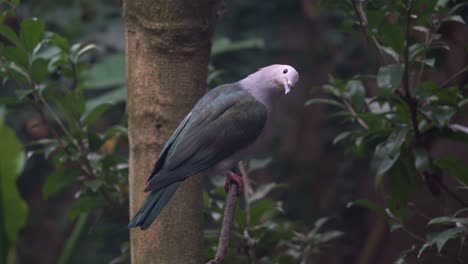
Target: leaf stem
x,y
72,241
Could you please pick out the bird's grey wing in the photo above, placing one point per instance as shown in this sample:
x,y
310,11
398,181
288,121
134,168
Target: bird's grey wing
x,y
221,123
162,157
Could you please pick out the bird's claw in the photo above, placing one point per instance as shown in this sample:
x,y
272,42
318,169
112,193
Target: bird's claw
x,y
232,177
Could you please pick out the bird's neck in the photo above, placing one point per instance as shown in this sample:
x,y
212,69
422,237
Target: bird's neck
x,y
264,91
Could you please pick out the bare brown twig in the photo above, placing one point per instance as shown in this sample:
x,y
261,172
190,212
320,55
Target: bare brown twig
x,y
452,194
353,112
407,97
223,243
451,78
371,40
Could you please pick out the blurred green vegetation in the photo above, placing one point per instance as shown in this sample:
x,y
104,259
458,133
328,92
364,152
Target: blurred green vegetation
x,y
401,118
64,138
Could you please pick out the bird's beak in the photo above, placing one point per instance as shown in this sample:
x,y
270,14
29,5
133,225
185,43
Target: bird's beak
x,y
287,86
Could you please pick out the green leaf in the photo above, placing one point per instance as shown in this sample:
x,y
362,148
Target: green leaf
x,y
95,141
355,92
225,45
83,50
90,116
117,131
389,78
423,248
440,239
400,260
429,62
213,75
440,4
114,96
455,167
31,31
393,36
9,100
109,72
57,181
318,224
15,2
9,34
256,164
39,69
13,209
324,101
23,93
262,210
341,136
440,114
16,55
367,204
60,42
448,220
462,103
404,254
387,153
94,185
422,29
461,211
71,105
263,191
454,18
456,7
391,52
402,184
331,89
422,161
85,204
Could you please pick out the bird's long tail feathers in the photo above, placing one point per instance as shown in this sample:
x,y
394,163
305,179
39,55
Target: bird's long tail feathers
x,y
152,206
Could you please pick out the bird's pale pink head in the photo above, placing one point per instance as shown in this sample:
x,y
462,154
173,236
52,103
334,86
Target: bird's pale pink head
x,y
284,76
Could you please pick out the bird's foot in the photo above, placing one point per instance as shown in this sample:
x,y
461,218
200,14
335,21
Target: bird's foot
x,y
233,177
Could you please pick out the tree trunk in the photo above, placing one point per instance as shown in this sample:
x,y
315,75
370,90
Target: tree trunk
x,y
167,52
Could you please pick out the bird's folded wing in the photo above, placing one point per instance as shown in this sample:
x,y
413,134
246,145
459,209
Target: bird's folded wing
x,y
221,124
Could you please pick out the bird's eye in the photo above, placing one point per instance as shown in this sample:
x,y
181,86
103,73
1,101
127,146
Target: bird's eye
x,y
285,71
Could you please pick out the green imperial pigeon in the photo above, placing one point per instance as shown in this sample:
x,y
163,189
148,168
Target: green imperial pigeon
x,y
226,125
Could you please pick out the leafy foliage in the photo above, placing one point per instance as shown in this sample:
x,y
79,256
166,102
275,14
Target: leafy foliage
x,y
54,76
398,121
261,231
13,209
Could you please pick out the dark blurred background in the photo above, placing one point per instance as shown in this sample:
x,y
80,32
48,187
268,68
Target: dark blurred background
x,y
321,177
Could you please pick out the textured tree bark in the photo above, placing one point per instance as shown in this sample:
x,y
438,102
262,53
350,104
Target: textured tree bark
x,y
167,50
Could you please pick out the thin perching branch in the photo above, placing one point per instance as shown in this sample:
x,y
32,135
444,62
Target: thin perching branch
x,y
223,242
249,242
